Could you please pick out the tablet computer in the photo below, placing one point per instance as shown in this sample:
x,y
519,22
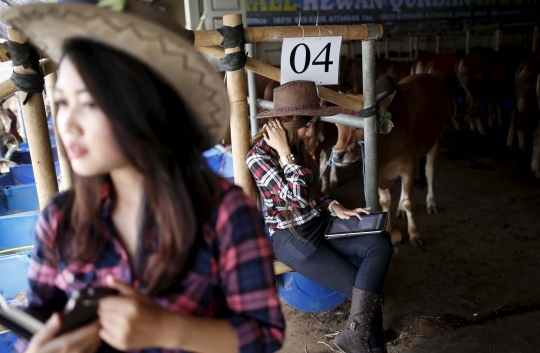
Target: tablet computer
x,y
373,223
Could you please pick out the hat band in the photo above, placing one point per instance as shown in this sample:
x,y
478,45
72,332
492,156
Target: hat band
x,y
289,109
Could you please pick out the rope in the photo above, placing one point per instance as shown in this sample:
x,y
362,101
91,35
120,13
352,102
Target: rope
x,y
23,55
233,37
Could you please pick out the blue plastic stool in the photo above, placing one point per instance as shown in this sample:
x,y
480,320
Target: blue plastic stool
x,y
305,295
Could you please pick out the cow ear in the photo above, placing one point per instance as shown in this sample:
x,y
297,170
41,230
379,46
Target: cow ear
x,y
385,103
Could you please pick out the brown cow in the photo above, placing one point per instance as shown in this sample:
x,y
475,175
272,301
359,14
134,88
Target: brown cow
x,y
423,63
525,118
418,105
445,67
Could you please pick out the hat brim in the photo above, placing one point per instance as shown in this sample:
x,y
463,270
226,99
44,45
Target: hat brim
x,y
323,111
170,56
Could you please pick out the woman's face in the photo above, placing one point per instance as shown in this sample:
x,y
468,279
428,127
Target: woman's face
x,y
83,127
308,130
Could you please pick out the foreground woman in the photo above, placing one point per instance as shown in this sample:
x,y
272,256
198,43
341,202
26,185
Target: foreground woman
x,y
185,249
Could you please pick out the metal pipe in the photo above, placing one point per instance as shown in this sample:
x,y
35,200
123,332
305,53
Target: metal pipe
x,y
343,119
370,128
535,39
497,39
411,47
252,92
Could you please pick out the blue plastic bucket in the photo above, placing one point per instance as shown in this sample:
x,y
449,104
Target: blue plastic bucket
x,y
17,199
220,162
16,266
22,174
7,341
18,230
305,295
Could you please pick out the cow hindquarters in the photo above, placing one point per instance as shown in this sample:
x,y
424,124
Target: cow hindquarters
x,y
535,162
430,171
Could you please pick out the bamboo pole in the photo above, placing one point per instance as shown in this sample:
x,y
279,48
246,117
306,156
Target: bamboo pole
x,y
274,73
8,87
240,128
211,37
38,136
65,167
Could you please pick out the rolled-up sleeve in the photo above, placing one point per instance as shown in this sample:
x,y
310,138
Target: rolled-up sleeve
x,y
247,275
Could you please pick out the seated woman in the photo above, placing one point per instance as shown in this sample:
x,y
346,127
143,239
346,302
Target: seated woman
x,y
297,217
186,249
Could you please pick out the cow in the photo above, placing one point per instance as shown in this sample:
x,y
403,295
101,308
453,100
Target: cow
x,y
525,119
444,67
418,105
423,63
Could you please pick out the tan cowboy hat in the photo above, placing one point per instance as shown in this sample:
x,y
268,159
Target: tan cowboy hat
x,y
142,31
298,98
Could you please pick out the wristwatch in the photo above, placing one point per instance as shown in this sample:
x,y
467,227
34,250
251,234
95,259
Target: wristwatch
x,y
287,159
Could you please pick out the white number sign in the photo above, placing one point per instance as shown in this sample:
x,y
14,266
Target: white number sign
x,y
312,59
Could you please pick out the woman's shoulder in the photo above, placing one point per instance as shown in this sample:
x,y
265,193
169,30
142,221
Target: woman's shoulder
x,y
260,148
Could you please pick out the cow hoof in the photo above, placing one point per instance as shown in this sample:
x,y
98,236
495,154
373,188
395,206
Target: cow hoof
x,y
432,210
417,242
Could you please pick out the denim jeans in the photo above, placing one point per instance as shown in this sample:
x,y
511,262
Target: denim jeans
x,y
339,264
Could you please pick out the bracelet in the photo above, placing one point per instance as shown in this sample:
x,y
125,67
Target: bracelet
x,y
332,213
284,160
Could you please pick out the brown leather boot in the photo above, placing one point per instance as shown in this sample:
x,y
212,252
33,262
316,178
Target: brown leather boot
x,y
354,338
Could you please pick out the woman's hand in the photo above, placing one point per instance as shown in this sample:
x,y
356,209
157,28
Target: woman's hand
x,y
276,137
131,321
82,340
345,213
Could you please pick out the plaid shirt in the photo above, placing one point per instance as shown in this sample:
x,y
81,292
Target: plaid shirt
x,y
280,186
232,276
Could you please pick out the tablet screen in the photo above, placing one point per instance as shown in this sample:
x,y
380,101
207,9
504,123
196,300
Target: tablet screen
x,y
367,223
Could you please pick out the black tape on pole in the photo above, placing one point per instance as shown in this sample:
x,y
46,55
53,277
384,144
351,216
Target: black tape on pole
x,y
24,55
233,37
368,112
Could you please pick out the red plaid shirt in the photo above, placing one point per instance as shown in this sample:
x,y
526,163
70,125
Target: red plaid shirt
x,y
280,186
232,276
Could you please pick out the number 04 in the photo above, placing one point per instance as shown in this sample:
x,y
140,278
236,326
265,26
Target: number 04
x,y
326,62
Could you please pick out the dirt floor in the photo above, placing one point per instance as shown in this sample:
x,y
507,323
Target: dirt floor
x,y
482,255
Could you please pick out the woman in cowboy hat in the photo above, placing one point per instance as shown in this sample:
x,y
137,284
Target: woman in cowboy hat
x,y
186,249
297,216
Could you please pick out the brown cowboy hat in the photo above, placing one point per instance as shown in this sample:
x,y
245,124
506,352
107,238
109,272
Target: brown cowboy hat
x,y
142,31
298,98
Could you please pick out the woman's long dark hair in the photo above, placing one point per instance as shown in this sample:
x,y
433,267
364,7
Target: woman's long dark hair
x,y
303,151
154,131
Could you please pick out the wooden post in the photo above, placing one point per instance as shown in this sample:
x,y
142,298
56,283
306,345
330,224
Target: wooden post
x,y
65,167
211,37
240,129
274,73
497,39
387,48
38,136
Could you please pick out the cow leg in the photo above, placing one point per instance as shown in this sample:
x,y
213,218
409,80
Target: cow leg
x,y
535,167
510,138
491,112
333,176
385,199
521,140
323,159
406,204
430,171
453,114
